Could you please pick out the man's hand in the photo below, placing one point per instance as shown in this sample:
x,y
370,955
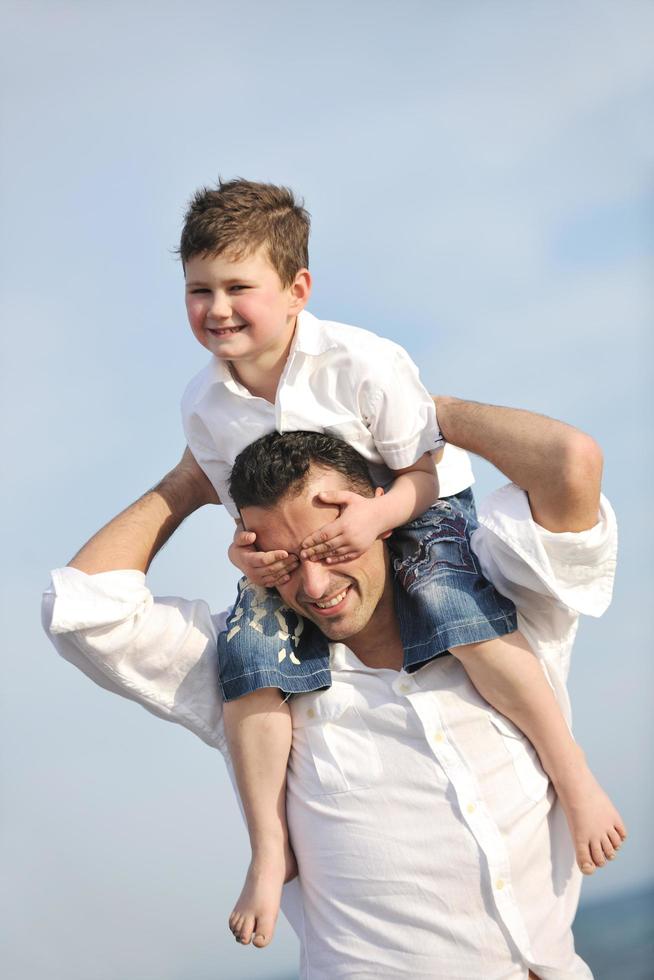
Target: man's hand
x,y
359,524
268,568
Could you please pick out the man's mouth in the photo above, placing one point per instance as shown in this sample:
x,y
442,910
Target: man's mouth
x,y
332,605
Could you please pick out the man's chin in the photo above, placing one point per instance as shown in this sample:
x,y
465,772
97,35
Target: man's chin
x,y
336,632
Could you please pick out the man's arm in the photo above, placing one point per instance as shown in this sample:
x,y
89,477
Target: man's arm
x,y
559,466
161,654
133,538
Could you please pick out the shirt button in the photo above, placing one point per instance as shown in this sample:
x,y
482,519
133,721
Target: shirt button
x,y
471,809
439,736
499,884
311,713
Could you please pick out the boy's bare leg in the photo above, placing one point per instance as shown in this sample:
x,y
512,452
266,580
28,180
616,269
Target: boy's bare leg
x,y
258,729
506,672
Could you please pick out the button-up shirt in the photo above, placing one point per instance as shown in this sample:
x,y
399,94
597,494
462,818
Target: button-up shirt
x,y
338,379
429,841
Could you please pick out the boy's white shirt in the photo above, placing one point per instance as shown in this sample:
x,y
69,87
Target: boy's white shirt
x,y
494,869
339,379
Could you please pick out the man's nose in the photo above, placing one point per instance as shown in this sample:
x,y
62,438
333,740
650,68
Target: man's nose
x,y
315,578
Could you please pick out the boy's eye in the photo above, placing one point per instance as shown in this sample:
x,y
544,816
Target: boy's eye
x,y
195,292
236,288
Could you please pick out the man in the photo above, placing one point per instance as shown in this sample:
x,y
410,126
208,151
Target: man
x,y
428,842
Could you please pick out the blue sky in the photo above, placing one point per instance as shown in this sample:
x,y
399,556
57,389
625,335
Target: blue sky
x,y
480,178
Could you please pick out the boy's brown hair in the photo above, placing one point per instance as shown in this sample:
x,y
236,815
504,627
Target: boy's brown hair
x,y
238,216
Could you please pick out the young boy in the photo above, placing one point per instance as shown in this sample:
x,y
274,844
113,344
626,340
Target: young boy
x,y
244,248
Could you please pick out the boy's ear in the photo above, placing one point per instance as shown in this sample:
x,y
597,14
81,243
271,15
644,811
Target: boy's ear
x,y
300,290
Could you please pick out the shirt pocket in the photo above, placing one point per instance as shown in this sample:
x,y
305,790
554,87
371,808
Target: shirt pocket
x,y
333,749
526,763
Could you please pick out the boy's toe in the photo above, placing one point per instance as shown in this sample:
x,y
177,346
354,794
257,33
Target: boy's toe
x,y
263,932
597,853
247,929
584,859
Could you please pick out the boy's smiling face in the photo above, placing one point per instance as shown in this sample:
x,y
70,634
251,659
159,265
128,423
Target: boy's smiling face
x,y
239,309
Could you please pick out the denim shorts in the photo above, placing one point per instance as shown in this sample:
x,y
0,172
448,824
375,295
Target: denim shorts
x,y
442,600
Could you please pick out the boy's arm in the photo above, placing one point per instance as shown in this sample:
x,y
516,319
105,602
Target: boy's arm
x,y
559,467
414,490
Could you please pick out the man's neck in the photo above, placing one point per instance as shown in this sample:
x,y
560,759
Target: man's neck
x,y
379,644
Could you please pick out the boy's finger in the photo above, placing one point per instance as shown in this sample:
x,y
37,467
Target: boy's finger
x,y
282,567
318,538
317,551
338,497
244,538
336,559
320,546
344,549
325,535
270,557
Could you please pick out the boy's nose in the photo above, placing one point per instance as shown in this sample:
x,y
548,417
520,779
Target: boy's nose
x,y
221,308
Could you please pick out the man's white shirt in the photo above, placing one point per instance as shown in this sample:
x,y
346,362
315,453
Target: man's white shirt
x,y
429,842
340,380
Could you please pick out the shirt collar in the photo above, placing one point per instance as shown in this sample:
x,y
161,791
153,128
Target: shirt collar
x,y
310,336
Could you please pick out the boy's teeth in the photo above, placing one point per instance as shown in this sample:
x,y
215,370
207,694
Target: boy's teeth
x,y
332,602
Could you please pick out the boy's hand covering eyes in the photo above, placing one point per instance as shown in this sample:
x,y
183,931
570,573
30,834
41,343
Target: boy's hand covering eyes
x,y
351,534
267,568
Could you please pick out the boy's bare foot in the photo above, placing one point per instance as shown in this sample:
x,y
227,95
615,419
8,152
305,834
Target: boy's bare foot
x,y
595,824
255,914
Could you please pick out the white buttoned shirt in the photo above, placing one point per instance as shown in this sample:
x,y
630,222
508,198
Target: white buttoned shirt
x,y
429,842
339,380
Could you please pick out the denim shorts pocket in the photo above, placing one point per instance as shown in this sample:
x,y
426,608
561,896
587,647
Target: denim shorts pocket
x,y
433,546
334,744
526,763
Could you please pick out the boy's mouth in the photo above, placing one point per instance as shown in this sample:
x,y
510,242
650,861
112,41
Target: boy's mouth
x,y
224,331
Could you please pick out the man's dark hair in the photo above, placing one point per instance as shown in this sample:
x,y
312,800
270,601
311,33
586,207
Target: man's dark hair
x,y
277,466
238,216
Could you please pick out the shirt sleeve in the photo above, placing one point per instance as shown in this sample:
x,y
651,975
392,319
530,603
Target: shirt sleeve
x,y
199,439
574,569
399,410
159,652
551,577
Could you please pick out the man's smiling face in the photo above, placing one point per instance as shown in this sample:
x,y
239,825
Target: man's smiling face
x,y
341,599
